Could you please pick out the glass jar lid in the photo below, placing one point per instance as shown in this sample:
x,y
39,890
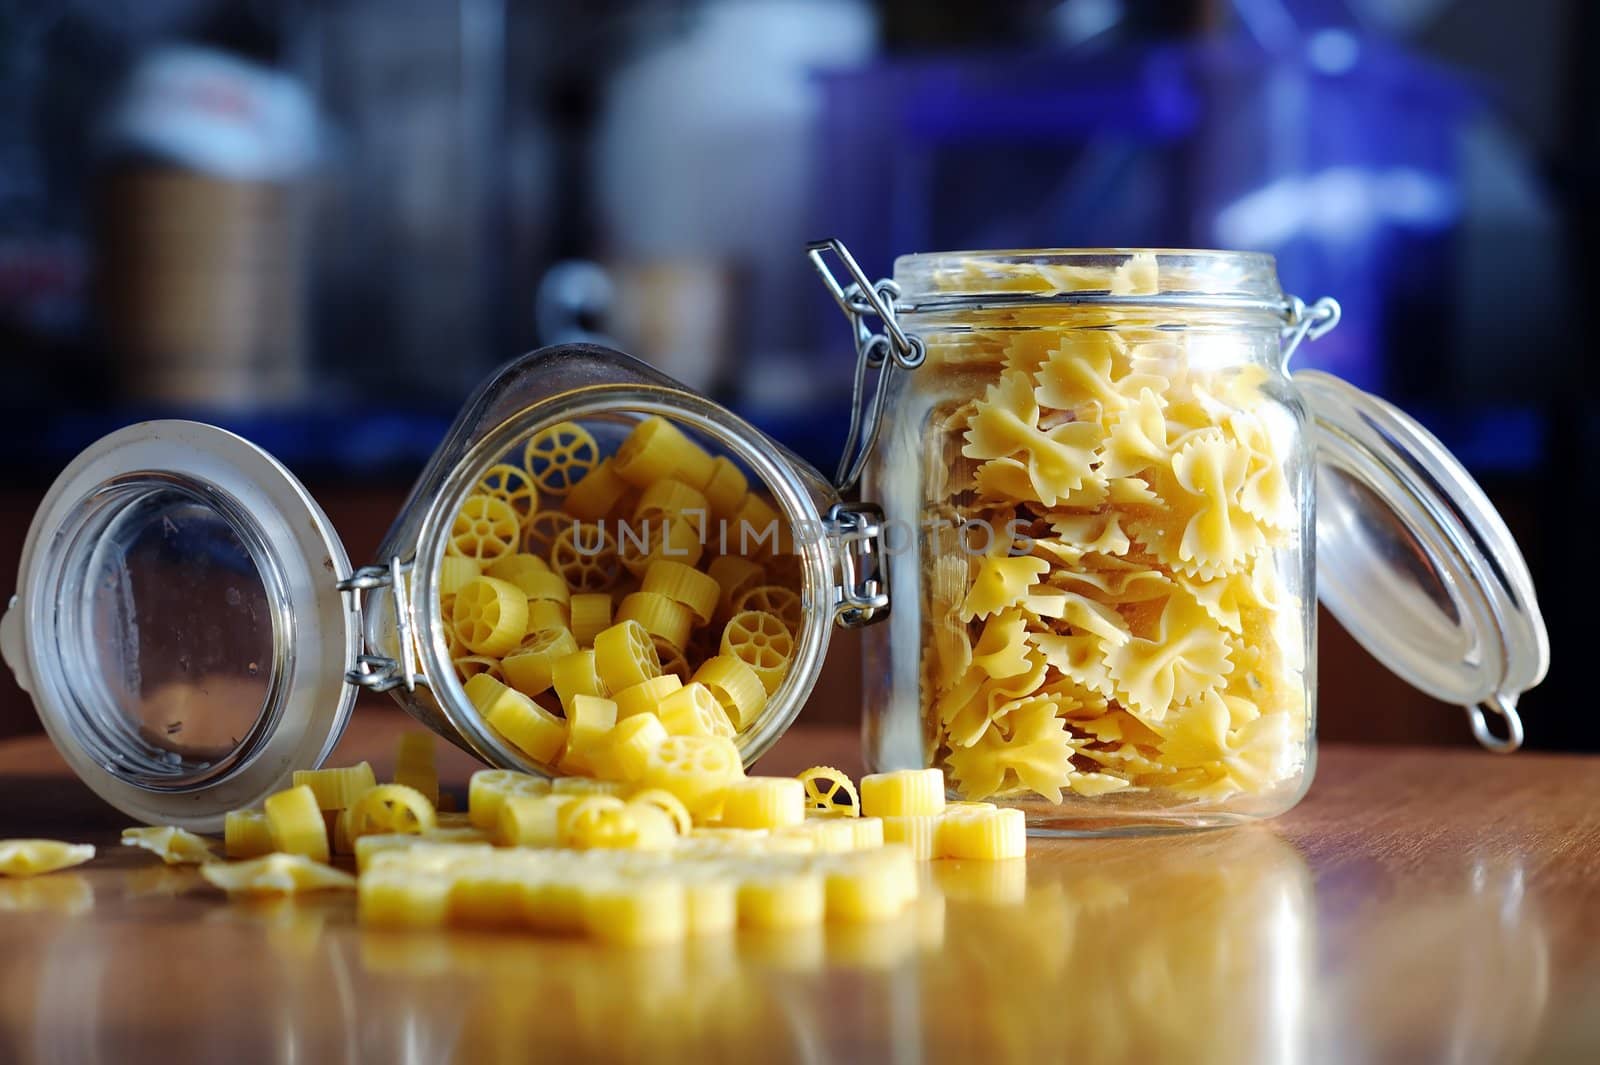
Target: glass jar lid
x,y
179,625
1416,563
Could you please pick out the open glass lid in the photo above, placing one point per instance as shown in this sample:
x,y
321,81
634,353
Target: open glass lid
x,y
1415,562
178,624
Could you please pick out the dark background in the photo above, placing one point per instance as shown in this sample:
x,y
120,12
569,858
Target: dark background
x,y
320,224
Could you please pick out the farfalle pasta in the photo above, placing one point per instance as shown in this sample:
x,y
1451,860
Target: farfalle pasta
x,y
1111,519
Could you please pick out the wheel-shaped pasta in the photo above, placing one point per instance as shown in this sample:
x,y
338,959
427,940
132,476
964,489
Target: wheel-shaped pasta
x,y
763,642
469,666
693,711
829,792
777,599
763,802
756,530
903,793
296,824
540,531
736,688
646,696
590,720
392,809
485,528
514,485
674,661
727,488
630,745
734,575
624,656
489,788
585,555
598,494
657,449
694,768
245,834
490,616
576,675
559,457
660,616
515,568
456,570
591,614
526,725
337,788
667,802
640,543
545,614
531,668
671,498
597,822
686,585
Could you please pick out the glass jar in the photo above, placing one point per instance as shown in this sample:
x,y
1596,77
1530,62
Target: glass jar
x,y
191,629
1100,487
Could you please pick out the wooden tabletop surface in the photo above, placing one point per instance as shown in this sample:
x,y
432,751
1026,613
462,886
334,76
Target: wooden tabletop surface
x,y
1419,906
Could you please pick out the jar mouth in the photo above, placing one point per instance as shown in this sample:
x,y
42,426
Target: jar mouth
x,y
170,648
1241,281
625,404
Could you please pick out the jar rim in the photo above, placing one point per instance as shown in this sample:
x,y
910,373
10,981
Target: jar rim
x,y
1245,281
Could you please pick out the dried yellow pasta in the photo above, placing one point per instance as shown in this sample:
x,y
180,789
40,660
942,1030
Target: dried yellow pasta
x,y
489,788
296,823
669,804
640,543
512,484
671,498
336,789
903,793
674,660
174,846
624,656
415,765
544,614
485,528
490,615
32,857
734,575
693,711
696,591
581,786
245,834
629,748
598,494
782,899
276,874
540,531
776,599
635,912
526,725
656,449
560,456
391,809
660,616
646,696
917,832
576,674
694,768
585,555
402,901
597,822
756,530
762,642
982,835
829,792
590,720
455,571
530,820
726,489
591,615
763,802
736,687
531,669
515,568
869,891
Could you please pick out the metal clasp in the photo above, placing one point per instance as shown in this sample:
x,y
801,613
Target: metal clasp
x,y
1505,708
860,593
380,673
1308,323
884,351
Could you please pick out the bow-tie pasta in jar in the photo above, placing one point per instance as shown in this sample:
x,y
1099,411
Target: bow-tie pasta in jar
x,y
1098,486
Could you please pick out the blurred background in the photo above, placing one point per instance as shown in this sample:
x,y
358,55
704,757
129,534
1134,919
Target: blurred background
x,y
320,224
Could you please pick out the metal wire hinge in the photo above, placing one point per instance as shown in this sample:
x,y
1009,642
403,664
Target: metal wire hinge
x,y
882,351
860,595
1308,323
380,673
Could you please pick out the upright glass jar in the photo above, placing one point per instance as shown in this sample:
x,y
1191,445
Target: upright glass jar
x,y
1100,484
192,631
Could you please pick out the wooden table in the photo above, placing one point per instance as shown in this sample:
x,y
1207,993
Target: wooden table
x,y
1419,906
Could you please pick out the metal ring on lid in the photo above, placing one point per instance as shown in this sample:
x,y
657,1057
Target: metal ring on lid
x,y
1416,562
